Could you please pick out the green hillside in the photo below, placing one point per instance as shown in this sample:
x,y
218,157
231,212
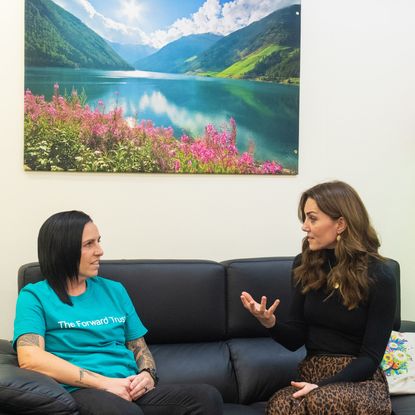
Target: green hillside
x,y
248,64
281,66
268,49
54,37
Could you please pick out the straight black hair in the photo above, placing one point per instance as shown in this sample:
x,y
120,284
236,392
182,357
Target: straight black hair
x,y
59,247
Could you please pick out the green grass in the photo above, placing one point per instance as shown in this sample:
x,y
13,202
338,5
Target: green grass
x,y
240,68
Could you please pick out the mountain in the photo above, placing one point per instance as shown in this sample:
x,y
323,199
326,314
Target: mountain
x,y
132,53
268,49
54,37
172,58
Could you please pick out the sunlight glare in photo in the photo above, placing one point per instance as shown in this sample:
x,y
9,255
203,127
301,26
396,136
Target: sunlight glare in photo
x,y
130,9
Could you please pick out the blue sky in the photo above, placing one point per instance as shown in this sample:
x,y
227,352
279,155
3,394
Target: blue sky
x,y
158,22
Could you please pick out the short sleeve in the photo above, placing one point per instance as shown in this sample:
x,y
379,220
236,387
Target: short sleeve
x,y
29,315
134,328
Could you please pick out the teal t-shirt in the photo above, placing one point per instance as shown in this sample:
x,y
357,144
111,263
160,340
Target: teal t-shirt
x,y
90,334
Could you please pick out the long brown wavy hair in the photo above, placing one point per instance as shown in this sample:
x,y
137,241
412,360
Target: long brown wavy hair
x,y
356,244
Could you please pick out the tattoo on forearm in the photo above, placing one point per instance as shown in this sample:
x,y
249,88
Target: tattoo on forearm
x,y
29,340
82,373
142,354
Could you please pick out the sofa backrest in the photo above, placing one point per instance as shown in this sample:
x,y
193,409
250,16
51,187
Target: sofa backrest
x,y
199,301
272,277
258,276
177,300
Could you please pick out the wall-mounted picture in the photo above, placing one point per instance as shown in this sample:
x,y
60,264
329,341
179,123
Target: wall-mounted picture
x,y
162,86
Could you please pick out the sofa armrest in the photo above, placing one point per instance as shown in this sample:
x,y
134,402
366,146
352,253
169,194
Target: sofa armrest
x,y
27,392
407,325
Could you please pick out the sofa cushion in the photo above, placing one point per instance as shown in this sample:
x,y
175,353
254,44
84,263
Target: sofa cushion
x,y
396,270
262,366
177,300
235,409
27,392
197,363
403,405
258,276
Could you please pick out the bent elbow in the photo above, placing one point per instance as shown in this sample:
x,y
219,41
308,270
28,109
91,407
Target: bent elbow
x,y
27,359
25,365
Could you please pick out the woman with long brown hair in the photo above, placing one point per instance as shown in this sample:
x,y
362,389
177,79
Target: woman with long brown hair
x,y
342,310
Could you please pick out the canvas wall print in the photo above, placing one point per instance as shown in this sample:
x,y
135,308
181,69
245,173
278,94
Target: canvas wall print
x,y
162,86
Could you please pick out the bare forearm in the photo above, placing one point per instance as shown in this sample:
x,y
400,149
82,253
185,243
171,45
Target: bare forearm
x,y
59,369
32,355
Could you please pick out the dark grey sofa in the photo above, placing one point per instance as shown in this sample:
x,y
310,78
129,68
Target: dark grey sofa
x,y
198,332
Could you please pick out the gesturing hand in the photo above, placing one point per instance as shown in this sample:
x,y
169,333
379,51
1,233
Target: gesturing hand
x,y
259,310
303,388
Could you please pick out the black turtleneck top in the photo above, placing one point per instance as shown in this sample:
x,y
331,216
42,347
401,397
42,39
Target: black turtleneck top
x,y
326,327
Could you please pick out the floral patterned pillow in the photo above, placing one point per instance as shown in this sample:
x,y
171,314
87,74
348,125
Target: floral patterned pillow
x,y
398,363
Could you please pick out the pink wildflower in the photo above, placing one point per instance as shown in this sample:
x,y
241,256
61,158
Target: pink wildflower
x,y
185,138
271,167
99,130
246,158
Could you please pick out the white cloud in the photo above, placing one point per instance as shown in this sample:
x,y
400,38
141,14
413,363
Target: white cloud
x,y
130,10
88,8
221,20
212,17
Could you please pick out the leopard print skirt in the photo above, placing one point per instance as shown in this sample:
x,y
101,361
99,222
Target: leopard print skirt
x,y
370,397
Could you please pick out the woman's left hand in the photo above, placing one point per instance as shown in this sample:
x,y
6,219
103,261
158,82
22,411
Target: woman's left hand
x,y
140,385
303,388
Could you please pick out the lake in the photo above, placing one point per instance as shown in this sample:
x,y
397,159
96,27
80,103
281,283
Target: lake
x,y
265,113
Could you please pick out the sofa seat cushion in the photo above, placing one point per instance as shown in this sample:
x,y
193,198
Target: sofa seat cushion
x,y
237,409
27,392
262,366
197,363
403,405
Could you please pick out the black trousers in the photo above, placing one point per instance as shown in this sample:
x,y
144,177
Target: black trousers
x,y
198,399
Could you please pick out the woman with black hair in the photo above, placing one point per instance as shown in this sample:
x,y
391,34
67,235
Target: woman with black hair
x,y
342,310
83,331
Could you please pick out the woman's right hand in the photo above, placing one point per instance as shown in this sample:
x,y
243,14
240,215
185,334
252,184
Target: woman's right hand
x,y
259,310
118,386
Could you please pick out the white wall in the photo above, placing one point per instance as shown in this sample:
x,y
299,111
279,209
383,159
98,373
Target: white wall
x,y
357,123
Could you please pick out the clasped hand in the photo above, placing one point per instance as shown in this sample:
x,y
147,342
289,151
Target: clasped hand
x,y
131,388
259,310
